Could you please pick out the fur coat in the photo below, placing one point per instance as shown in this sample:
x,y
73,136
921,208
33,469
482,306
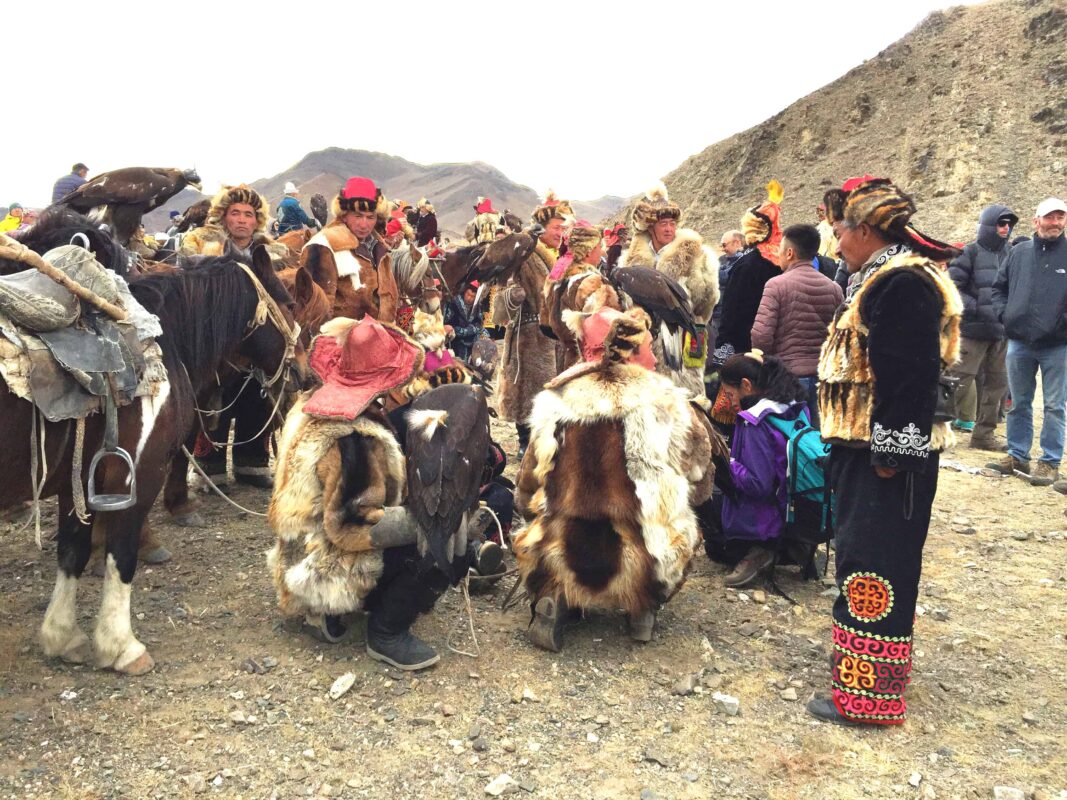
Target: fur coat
x,y
210,240
529,360
617,460
370,289
581,288
696,268
324,505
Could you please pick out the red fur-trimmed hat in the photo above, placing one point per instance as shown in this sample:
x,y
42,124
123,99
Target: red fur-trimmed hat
x,y
484,206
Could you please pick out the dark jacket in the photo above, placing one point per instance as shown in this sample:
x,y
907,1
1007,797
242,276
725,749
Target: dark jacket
x,y
426,229
974,272
1030,293
66,185
756,509
726,268
291,217
467,325
741,299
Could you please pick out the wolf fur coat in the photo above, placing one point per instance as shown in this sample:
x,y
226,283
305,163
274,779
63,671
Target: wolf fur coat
x,y
618,458
529,360
321,512
696,268
581,288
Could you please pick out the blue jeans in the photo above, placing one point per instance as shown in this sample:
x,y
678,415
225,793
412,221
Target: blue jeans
x,y
1023,362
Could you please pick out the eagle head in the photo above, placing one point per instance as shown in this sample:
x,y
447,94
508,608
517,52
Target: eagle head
x,y
191,178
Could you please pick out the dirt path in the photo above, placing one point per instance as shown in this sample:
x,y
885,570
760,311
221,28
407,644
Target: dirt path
x,y
987,700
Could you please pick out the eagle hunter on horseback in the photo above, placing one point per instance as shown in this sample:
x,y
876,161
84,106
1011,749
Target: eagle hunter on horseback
x,y
142,369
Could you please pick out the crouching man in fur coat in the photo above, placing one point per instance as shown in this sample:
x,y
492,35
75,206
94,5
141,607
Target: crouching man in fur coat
x,y
344,541
679,253
618,457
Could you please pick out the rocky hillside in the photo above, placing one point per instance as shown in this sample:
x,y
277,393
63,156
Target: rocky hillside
x,y
969,108
452,188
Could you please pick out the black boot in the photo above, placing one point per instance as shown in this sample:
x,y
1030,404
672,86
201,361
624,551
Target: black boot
x,y
826,710
393,608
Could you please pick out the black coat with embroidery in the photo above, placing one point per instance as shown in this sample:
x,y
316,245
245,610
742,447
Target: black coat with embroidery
x,y
903,316
741,300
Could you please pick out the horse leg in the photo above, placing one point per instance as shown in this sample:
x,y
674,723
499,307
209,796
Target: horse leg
x,y
60,635
116,646
183,511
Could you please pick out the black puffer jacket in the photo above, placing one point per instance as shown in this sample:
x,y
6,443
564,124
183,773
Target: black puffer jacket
x,y
975,270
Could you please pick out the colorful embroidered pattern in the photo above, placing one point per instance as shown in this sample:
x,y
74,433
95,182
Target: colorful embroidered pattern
x,y
870,674
870,597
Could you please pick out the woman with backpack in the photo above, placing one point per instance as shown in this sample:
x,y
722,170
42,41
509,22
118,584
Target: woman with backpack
x,y
756,498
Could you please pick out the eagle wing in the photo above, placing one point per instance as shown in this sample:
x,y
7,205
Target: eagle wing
x,y
447,442
143,186
320,208
666,301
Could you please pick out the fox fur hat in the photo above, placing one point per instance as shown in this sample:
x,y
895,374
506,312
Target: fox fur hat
x,y
361,194
553,208
761,225
653,207
242,193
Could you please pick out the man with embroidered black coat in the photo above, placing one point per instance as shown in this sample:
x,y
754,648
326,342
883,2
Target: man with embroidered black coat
x,y
878,392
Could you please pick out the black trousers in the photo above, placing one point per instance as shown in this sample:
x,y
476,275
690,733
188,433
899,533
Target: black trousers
x,y
406,589
880,529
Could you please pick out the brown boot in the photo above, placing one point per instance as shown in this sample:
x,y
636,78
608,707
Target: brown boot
x,y
546,630
991,442
1009,465
1045,474
756,562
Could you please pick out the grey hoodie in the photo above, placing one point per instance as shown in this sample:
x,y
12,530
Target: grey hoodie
x,y
1030,293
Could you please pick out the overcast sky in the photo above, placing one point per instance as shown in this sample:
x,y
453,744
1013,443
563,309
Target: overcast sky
x,y
586,98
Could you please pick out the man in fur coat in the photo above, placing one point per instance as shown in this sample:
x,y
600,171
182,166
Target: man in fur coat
x,y
680,254
344,541
878,396
529,360
349,260
236,224
618,458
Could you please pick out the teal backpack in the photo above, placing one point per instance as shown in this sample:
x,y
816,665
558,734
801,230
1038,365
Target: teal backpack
x,y
810,516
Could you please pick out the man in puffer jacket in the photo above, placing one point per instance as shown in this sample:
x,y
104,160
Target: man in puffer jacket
x,y
982,343
796,310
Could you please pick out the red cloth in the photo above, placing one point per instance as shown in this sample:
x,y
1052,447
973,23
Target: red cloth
x,y
392,227
360,188
595,329
852,183
435,362
372,360
484,207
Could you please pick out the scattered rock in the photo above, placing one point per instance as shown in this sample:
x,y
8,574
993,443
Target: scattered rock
x,y
833,592
528,695
528,786
474,731
648,794
20,716
657,756
237,717
507,745
422,721
690,777
500,785
342,685
726,704
684,685
915,779
749,629
1021,536
789,694
759,596
1008,793
1030,718
196,783
480,745
592,738
448,711
269,662
252,667
939,614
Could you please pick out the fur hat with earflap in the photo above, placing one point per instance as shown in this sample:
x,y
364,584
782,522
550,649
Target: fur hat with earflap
x,y
653,207
240,194
361,194
552,208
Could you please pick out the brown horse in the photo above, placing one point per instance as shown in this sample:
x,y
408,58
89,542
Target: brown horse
x,y
295,241
210,316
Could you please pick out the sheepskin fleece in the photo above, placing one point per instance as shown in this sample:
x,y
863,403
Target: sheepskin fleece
x,y
317,567
646,497
581,288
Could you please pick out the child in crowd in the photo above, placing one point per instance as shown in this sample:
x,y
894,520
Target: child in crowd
x,y
755,494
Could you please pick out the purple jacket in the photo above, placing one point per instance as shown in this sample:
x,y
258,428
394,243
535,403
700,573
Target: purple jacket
x,y
758,468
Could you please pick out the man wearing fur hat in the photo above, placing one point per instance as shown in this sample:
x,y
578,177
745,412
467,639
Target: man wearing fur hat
x,y
344,542
878,402
349,260
613,423
486,221
680,254
236,224
529,360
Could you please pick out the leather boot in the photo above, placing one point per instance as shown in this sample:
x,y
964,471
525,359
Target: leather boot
x,y
546,630
392,613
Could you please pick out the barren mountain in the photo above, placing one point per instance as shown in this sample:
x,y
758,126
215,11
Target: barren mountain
x,y
452,188
969,108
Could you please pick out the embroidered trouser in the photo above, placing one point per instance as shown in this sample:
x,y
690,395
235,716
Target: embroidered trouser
x,y
880,529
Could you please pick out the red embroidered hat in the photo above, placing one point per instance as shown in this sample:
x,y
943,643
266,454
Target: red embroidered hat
x,y
484,206
359,194
358,362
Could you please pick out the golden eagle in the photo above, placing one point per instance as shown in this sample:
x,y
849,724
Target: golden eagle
x,y
121,197
665,300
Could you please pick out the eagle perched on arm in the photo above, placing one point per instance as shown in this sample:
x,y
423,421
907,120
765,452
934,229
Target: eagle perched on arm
x,y
121,197
447,441
665,300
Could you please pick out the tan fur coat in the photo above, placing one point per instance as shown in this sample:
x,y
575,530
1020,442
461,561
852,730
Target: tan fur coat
x,y
617,459
319,563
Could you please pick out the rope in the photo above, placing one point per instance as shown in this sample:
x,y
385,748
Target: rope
x,y
76,488
215,488
37,486
470,619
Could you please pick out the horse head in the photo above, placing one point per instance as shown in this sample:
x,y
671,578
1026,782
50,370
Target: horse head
x,y
312,306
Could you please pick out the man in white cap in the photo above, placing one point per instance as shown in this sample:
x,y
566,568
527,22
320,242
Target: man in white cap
x,y
1030,297
291,217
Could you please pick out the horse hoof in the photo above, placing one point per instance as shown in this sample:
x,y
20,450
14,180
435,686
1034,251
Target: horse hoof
x,y
157,555
141,665
193,519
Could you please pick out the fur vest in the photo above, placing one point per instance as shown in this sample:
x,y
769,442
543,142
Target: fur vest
x,y
210,240
846,379
356,285
617,460
323,561
529,360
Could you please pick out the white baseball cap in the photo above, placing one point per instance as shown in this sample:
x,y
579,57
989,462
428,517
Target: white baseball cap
x,y
1049,205
290,188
